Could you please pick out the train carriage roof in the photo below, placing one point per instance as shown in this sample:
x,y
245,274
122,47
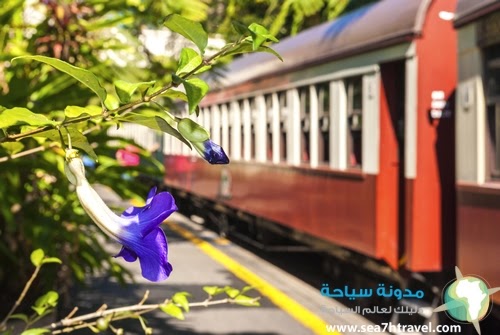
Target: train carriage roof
x,y
470,10
381,24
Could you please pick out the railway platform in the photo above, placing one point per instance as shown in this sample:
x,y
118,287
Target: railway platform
x,y
201,258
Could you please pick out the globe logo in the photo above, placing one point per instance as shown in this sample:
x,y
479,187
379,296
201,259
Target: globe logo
x,y
470,295
467,299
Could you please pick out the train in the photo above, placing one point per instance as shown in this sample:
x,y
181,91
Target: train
x,y
375,142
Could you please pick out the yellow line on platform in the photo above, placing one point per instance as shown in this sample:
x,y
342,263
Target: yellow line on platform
x,y
280,299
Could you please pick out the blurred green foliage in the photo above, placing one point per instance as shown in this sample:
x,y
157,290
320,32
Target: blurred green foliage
x,y
283,17
49,91
37,207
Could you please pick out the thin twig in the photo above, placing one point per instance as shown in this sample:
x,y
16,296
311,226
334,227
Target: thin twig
x,y
21,297
40,148
73,311
27,152
144,298
138,308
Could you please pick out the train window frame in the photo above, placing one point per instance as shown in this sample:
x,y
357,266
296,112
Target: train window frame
x,y
305,124
354,114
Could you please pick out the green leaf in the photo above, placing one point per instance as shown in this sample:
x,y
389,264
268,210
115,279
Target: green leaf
x,y
188,61
246,301
154,121
51,260
39,310
12,147
246,289
175,95
180,298
247,47
43,304
192,131
231,292
35,331
84,76
19,316
191,30
125,90
19,116
37,257
240,28
260,35
195,91
49,299
76,111
213,290
173,310
111,102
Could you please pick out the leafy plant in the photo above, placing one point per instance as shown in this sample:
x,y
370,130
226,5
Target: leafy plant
x,y
103,318
59,95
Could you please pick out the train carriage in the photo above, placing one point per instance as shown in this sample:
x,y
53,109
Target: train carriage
x,y
375,141
478,149
346,145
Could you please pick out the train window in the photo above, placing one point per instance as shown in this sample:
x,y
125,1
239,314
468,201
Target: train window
x,y
216,124
235,129
494,138
492,86
323,90
354,94
206,119
305,105
225,128
493,73
269,127
283,125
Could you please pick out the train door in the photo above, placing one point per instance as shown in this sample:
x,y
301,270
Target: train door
x,y
391,179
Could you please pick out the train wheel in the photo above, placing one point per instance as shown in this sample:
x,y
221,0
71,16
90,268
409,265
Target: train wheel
x,y
222,225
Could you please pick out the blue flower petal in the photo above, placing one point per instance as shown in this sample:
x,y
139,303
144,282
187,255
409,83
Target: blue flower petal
x,y
133,211
151,195
162,205
152,251
127,254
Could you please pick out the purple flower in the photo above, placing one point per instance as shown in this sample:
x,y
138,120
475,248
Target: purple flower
x,y
211,152
137,229
144,239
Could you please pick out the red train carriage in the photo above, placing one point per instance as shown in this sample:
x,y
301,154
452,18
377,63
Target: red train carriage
x,y
478,141
347,144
